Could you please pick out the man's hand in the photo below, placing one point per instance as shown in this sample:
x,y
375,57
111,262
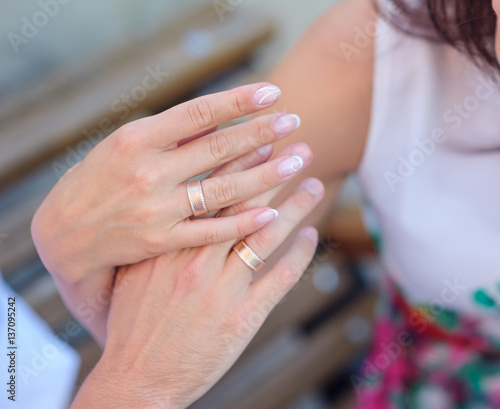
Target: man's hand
x,y
179,321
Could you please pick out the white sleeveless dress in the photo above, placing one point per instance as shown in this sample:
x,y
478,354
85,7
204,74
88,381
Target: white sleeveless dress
x,y
431,172
431,175
45,367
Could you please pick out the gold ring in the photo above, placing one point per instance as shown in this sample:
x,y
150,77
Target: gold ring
x,y
248,256
196,199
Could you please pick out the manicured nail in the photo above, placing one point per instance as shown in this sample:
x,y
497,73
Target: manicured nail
x,y
265,217
297,118
313,186
311,233
290,165
286,124
267,95
265,150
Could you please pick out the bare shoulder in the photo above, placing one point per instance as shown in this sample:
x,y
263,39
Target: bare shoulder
x,y
327,79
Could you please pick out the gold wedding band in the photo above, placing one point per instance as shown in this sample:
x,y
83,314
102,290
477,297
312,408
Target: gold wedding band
x,y
196,199
248,256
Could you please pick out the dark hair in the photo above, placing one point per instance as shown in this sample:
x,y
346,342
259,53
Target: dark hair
x,y
468,25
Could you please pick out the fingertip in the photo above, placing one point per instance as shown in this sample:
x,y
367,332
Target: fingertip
x,y
266,95
314,186
266,217
311,233
304,151
266,150
298,120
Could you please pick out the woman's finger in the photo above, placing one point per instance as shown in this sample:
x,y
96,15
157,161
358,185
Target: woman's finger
x,y
210,152
297,149
194,137
248,161
201,232
200,114
226,190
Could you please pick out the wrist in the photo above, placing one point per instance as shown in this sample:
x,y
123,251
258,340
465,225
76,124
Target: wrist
x,y
112,384
107,387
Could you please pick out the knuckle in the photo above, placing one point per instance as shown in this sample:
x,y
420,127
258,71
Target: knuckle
x,y
200,113
261,240
287,278
237,103
152,245
145,180
219,146
225,190
212,237
214,296
291,221
144,216
262,132
242,324
126,138
122,145
268,177
304,205
240,207
242,229
192,275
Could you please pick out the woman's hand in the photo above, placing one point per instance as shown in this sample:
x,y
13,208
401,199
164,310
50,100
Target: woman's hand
x,y
127,201
179,321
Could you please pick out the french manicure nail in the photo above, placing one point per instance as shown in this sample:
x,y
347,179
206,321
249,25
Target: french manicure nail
x,y
297,118
313,186
266,217
264,150
290,165
267,95
286,124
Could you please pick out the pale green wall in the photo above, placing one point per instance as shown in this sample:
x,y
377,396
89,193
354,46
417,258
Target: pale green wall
x,y
80,27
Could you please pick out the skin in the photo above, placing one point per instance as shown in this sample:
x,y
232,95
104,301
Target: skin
x,y
135,184
182,309
213,296
496,7
334,123
197,317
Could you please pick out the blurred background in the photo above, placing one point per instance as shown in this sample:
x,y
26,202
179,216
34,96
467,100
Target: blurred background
x,y
72,71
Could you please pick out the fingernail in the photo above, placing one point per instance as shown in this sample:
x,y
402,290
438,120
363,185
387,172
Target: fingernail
x,y
290,165
267,95
286,124
297,118
311,233
266,217
313,186
265,150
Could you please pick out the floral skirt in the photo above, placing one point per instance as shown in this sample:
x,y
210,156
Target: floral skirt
x,y
427,360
